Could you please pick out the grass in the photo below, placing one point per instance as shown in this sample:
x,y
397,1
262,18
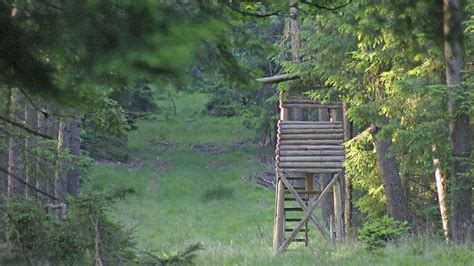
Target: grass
x,y
192,187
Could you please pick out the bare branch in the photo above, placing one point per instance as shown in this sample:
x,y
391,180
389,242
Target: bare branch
x,y
18,125
26,184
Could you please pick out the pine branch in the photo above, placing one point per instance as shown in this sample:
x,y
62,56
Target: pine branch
x,y
252,14
326,7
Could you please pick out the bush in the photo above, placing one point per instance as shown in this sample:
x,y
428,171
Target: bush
x,y
378,232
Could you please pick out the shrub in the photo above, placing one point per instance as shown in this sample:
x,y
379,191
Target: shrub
x,y
378,232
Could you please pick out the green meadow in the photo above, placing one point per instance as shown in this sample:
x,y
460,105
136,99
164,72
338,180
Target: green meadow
x,y
193,178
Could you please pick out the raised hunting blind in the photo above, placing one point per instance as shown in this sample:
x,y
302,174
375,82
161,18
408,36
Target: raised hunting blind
x,y
309,156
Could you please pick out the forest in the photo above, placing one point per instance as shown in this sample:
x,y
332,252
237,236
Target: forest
x,y
156,133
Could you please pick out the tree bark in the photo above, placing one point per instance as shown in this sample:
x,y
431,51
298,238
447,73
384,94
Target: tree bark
x,y
347,182
295,35
328,200
13,186
42,125
392,183
30,161
60,175
441,189
73,175
459,128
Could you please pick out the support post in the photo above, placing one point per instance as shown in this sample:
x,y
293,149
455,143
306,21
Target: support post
x,y
338,220
279,227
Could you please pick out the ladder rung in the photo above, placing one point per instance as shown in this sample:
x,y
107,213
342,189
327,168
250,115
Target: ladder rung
x,y
303,192
292,219
295,178
299,240
291,230
293,199
291,209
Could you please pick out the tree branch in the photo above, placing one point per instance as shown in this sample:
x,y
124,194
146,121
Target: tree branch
x,y
252,14
326,7
26,184
18,125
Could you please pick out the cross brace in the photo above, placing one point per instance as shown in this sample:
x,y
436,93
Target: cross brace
x,y
313,203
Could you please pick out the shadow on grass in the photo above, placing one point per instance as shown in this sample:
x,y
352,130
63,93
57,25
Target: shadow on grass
x,y
218,193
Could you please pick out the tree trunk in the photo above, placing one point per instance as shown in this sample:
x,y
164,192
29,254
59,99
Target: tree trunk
x,y
392,183
328,200
441,189
347,182
73,175
60,175
295,35
42,125
459,129
14,186
29,160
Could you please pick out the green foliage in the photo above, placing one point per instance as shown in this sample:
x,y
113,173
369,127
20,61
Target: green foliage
x,y
38,236
361,168
378,232
184,257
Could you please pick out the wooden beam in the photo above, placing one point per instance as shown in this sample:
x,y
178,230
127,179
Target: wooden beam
x,y
279,226
310,164
311,170
339,224
311,147
278,78
301,223
311,158
311,153
302,204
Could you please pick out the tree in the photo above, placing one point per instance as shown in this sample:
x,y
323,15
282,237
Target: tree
x,y
459,127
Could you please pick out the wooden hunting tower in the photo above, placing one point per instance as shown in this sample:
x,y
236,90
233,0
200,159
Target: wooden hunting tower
x,y
307,148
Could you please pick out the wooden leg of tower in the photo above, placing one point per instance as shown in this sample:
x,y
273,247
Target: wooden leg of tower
x,y
309,186
338,219
279,227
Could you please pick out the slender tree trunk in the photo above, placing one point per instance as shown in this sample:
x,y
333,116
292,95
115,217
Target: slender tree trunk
x,y
459,129
392,183
29,160
441,189
42,126
50,169
347,182
295,35
13,186
60,175
73,175
328,200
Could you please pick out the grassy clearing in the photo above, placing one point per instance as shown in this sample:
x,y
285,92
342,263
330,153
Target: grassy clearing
x,y
192,187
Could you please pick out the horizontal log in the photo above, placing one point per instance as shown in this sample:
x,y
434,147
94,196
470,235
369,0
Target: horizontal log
x,y
307,100
286,130
311,152
311,142
311,170
310,105
286,122
313,125
309,164
310,147
312,136
311,158
278,78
